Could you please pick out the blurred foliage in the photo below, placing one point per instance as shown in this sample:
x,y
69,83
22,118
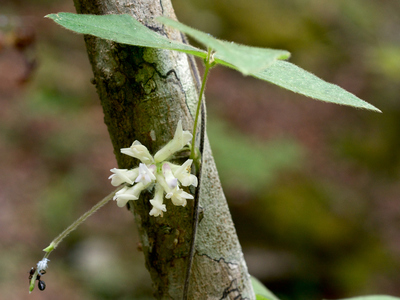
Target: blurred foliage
x,y
323,218
247,163
313,188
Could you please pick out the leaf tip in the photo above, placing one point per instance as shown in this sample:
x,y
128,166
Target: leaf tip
x,y
53,17
377,110
371,108
285,55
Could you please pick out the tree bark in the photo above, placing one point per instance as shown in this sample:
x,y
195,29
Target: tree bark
x,y
144,92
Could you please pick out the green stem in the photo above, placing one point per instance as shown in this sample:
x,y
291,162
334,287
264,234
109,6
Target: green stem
x,y
79,221
71,228
208,65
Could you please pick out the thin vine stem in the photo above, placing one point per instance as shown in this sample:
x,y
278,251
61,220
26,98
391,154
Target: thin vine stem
x,y
80,220
71,228
209,63
200,106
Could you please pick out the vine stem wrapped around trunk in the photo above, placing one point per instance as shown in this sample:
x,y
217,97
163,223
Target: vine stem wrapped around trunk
x,y
144,92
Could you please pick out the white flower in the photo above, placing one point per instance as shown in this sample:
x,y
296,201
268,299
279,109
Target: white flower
x,y
178,196
181,138
138,151
146,174
129,193
124,195
169,177
123,175
183,174
158,208
42,265
157,202
166,176
163,183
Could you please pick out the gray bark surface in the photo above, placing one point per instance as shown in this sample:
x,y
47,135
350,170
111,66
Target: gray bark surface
x,y
144,92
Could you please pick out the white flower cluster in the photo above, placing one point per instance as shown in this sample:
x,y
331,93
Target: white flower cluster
x,y
167,177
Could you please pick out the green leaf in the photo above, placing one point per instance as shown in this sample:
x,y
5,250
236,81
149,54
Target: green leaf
x,y
261,63
122,29
262,292
245,59
293,78
373,297
127,30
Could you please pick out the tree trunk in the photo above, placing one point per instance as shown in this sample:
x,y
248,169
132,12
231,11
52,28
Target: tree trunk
x,y
144,92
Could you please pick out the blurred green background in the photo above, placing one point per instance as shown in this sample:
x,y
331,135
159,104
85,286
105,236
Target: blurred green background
x,y
313,188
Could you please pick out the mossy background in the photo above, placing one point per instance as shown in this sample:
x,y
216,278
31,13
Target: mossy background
x,y
313,187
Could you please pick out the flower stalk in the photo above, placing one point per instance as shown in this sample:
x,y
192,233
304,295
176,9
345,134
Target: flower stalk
x,y
42,264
